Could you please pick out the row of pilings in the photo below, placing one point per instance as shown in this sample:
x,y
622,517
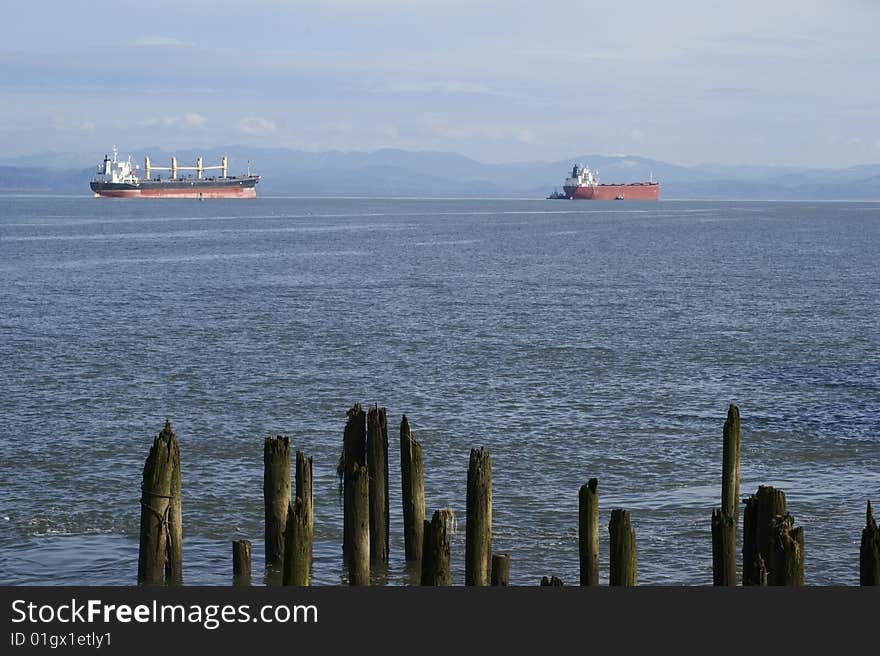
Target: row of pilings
x,y
772,546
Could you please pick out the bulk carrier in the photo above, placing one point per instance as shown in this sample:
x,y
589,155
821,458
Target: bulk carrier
x,y
584,184
119,179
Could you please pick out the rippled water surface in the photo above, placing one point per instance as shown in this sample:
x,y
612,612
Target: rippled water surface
x,y
571,339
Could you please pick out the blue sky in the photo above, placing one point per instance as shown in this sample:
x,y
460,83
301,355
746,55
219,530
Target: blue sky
x,y
775,82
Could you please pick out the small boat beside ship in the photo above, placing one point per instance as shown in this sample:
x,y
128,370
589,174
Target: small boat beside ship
x,y
584,184
116,178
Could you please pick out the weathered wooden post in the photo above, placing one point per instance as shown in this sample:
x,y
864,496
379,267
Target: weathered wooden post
x,y
241,562
588,532
723,549
787,555
413,483
300,528
377,464
276,496
435,557
478,530
623,566
724,521
157,509
297,546
758,533
869,552
354,452
359,525
500,570
304,492
730,464
174,562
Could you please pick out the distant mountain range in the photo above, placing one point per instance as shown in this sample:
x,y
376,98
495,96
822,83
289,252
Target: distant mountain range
x,y
390,172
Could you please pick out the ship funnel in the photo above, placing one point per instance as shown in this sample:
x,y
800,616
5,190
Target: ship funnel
x,y
173,168
146,168
224,166
199,167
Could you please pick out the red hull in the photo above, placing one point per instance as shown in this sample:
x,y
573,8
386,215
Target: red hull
x,y
230,192
635,191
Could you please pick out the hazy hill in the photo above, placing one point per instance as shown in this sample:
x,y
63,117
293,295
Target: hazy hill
x,y
392,172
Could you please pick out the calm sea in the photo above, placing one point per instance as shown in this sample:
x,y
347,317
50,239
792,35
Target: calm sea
x,y
572,340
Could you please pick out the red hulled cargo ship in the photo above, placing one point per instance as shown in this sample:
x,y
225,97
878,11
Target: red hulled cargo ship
x,y
584,184
119,179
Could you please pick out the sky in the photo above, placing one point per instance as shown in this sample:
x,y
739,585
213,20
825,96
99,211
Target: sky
x,y
774,82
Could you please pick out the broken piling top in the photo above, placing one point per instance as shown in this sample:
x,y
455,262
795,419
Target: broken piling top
x,y
354,440
553,582
165,447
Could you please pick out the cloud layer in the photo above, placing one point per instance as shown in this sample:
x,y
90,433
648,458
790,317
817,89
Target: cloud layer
x,y
777,83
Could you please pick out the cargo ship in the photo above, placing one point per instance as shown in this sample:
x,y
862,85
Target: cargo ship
x,y
119,179
584,184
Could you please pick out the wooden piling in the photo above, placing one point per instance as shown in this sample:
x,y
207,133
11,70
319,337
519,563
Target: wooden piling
x,y
869,552
276,496
297,568
623,565
724,521
723,549
297,546
500,570
157,507
730,465
413,484
435,565
787,555
553,581
354,452
174,561
478,529
758,532
303,491
588,532
750,555
241,562
377,464
359,524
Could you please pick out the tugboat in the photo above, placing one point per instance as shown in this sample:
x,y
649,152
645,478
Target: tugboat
x,y
557,195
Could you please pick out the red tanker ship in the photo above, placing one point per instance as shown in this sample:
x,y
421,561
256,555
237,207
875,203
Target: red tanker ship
x,y
584,184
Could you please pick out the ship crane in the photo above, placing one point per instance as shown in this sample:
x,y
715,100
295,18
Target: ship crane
x,y
198,168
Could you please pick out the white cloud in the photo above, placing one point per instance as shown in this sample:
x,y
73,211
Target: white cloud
x,y
634,134
257,126
190,121
67,124
193,120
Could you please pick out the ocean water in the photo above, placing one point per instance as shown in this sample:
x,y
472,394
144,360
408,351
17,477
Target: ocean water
x,y
572,340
